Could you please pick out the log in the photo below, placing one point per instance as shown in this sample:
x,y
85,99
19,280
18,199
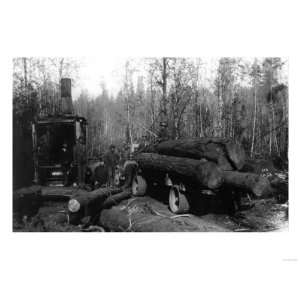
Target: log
x,y
27,201
226,153
88,204
145,214
258,185
281,189
236,154
203,173
60,192
27,192
116,199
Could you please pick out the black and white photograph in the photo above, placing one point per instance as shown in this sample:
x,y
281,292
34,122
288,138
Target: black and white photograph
x,y
150,144
149,149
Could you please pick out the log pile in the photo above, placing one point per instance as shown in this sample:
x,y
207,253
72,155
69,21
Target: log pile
x,y
210,162
205,173
83,204
224,152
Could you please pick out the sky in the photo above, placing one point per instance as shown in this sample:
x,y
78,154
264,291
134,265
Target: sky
x,y
95,70
110,70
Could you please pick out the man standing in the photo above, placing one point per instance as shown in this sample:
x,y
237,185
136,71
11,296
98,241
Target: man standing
x,y
65,159
81,160
111,160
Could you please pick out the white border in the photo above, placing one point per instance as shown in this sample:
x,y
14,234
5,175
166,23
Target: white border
x,y
149,266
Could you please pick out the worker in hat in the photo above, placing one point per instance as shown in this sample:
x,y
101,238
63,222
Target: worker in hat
x,y
111,160
65,159
80,154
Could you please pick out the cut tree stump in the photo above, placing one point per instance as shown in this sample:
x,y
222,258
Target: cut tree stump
x,y
203,173
226,153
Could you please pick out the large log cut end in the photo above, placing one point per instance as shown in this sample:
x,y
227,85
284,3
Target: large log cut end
x,y
89,203
130,168
258,185
204,173
209,175
236,154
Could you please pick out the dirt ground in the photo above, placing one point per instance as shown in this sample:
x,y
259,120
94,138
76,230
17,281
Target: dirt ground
x,y
261,215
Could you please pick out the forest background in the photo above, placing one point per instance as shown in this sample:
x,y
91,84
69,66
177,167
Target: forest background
x,y
245,99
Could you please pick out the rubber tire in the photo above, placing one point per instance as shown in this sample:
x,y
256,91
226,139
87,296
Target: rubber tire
x,y
178,202
139,186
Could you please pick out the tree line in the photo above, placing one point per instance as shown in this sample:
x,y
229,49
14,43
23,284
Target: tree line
x,y
245,100
242,100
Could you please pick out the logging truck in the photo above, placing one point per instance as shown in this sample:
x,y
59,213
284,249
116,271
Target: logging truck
x,y
190,168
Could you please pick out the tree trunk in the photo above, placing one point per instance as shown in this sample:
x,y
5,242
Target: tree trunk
x,y
254,122
274,128
25,79
227,154
220,110
116,199
146,214
203,173
27,192
89,203
163,106
258,185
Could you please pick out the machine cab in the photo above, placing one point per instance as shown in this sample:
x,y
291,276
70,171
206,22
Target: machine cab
x,y
55,144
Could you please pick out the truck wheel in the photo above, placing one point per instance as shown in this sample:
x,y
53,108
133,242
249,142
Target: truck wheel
x,y
139,186
177,201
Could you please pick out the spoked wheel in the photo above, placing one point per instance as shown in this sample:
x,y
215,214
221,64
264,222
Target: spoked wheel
x,y
177,201
139,186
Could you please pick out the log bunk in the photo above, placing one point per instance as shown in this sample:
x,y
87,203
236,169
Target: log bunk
x,y
203,163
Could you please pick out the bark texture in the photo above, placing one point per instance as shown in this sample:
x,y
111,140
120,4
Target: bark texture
x,y
145,214
258,185
226,153
204,173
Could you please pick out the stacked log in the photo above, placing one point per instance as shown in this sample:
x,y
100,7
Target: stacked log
x,y
205,173
211,162
83,204
227,154
258,185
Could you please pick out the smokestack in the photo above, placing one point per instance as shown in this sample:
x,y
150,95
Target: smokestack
x,y
66,96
